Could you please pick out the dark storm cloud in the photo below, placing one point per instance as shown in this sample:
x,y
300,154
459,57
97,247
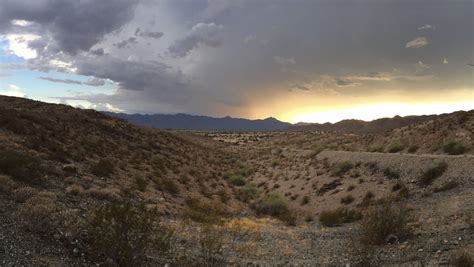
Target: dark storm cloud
x,y
73,25
224,52
208,34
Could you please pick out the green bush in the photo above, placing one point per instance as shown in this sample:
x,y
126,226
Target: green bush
x,y
341,167
438,168
384,220
413,148
103,168
124,233
391,174
203,211
454,147
375,148
395,147
237,180
331,218
272,204
248,192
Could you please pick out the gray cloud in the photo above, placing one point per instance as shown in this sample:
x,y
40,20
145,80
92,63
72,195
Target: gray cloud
x,y
417,42
72,25
126,43
208,34
154,35
91,81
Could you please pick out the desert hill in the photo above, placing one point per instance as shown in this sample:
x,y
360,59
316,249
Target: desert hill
x,y
78,187
365,127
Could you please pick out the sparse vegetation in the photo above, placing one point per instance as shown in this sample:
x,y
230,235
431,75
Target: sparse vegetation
x,y
103,168
237,180
385,223
347,200
272,204
454,147
248,192
391,174
21,166
124,233
395,147
331,218
462,259
438,168
446,186
341,167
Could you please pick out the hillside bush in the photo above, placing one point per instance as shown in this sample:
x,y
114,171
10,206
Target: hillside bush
x,y
384,221
272,204
103,168
454,147
336,217
341,167
124,233
21,166
438,168
248,192
395,147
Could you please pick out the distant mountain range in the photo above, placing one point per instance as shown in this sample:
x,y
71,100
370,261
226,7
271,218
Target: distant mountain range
x,y
193,122
366,127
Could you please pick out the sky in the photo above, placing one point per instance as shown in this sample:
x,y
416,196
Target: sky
x,y
299,60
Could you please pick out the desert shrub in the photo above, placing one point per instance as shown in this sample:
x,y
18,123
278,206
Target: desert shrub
x,y
40,214
237,180
203,211
462,259
391,174
124,233
375,148
413,148
75,189
347,200
223,195
446,186
103,168
105,193
395,147
248,192
350,188
22,194
316,149
211,243
305,200
272,204
454,147
331,218
435,171
141,183
167,184
288,217
21,166
341,167
383,222
367,198
6,184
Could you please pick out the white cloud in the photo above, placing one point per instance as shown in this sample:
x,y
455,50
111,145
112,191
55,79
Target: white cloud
x,y
12,90
426,27
417,42
21,22
18,45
